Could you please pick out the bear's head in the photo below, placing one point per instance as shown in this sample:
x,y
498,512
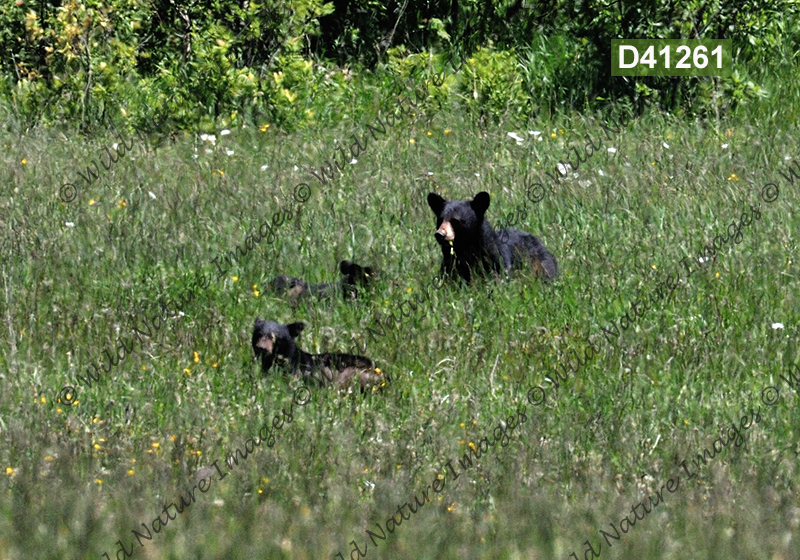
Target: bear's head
x,y
458,219
354,274
271,339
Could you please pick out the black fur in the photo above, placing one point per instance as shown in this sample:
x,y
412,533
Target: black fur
x,y
273,341
476,248
354,276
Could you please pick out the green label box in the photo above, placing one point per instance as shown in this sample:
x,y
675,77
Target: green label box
x,y
671,57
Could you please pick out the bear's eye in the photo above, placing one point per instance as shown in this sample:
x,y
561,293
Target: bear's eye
x,y
455,222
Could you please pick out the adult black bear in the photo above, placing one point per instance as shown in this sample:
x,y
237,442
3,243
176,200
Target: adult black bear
x,y
273,341
354,276
470,245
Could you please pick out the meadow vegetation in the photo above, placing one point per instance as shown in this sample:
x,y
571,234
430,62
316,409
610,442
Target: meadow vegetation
x,y
77,276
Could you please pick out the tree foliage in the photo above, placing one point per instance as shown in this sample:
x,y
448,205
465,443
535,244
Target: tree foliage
x,y
271,60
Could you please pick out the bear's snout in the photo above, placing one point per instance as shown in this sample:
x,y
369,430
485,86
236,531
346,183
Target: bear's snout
x,y
445,232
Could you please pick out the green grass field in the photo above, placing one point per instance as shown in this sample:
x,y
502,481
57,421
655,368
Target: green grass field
x,y
77,277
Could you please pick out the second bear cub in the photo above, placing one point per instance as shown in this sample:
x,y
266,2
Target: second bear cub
x,y
354,276
471,246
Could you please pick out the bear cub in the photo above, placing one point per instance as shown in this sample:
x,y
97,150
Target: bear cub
x,y
470,246
274,342
354,276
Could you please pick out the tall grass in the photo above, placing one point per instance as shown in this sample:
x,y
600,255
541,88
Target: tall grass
x,y
78,479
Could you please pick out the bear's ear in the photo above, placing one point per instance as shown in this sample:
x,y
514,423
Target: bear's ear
x,y
436,203
345,267
480,203
296,328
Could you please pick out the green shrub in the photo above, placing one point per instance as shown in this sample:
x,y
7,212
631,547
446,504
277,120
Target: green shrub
x,y
491,85
406,71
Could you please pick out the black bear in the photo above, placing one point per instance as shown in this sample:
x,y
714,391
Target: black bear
x,y
354,276
470,245
273,341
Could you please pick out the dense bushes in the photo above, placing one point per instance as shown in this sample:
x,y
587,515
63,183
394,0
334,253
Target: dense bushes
x,y
215,63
